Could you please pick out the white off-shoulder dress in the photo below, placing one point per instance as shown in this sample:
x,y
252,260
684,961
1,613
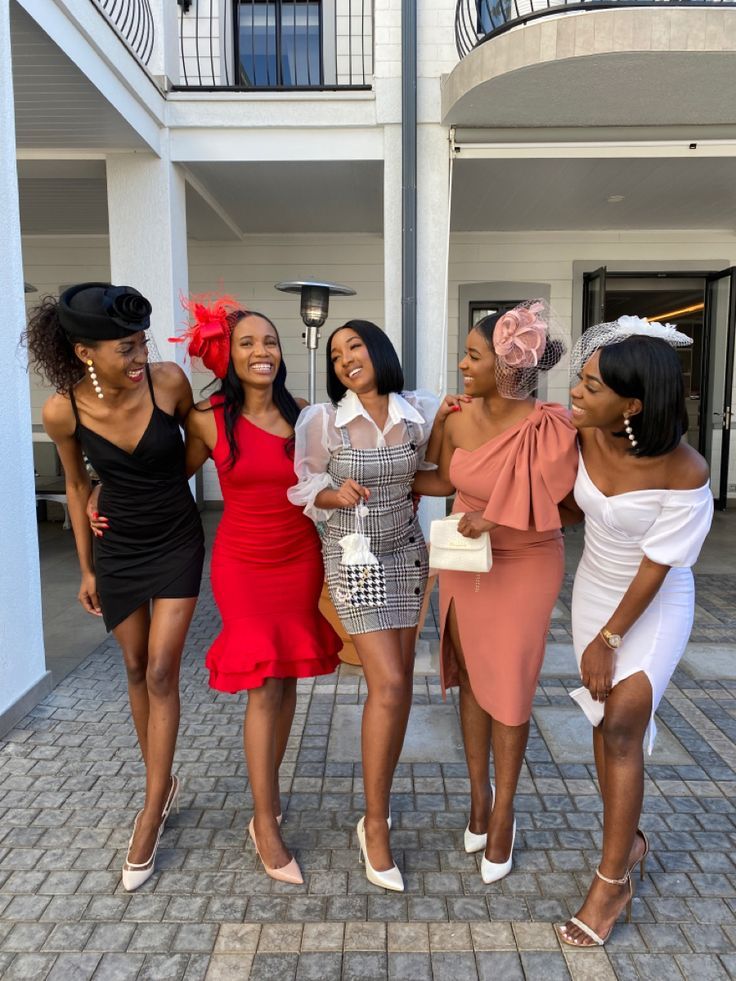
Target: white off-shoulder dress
x,y
666,526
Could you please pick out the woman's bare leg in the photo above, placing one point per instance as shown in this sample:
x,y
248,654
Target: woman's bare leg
x,y
385,717
284,723
259,742
132,636
170,621
509,745
476,725
628,710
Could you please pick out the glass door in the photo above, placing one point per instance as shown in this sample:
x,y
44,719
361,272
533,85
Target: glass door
x,y
715,421
594,298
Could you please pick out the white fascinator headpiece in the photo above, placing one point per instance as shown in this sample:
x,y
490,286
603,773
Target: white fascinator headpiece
x,y
602,335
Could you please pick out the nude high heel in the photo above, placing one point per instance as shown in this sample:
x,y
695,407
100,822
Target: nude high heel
x,y
172,799
640,861
596,940
388,879
136,873
287,873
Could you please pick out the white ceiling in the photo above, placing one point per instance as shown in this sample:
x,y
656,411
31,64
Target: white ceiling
x,y
298,196
517,195
55,104
67,197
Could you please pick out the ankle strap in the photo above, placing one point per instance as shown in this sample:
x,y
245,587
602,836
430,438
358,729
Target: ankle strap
x,y
612,882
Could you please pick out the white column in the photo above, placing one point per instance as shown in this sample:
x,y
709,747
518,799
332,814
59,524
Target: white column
x,y
432,230
392,233
23,675
148,239
164,60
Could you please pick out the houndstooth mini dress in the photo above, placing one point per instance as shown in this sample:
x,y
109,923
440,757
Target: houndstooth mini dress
x,y
392,527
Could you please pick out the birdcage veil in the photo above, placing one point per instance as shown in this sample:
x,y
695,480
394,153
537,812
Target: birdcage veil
x,y
526,340
601,335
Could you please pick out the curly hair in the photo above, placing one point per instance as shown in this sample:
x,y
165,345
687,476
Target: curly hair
x,y
51,350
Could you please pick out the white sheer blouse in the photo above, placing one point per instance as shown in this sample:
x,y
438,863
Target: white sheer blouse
x,y
317,438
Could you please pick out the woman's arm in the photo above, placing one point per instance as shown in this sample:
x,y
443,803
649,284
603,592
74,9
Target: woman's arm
x,y
436,483
570,513
598,660
201,435
449,404
59,423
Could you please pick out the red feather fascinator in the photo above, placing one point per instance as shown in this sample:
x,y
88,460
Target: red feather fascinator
x,y
208,334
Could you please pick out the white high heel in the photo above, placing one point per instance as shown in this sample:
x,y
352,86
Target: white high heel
x,y
493,871
390,878
172,799
472,841
136,873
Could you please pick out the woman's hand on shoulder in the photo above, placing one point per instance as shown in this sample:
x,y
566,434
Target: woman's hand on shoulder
x,y
451,404
302,403
688,469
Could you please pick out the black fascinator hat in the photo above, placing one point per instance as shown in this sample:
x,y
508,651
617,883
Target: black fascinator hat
x,y
103,312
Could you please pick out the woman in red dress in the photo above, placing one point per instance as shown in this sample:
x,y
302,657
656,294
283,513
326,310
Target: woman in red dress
x,y
267,570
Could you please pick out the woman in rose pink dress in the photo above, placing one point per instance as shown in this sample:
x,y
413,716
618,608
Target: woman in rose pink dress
x,y
512,461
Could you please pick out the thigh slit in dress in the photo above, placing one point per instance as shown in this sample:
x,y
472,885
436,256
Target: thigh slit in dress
x,y
517,480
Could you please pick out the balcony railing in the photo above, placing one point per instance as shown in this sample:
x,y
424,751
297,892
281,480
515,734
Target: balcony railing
x,y
269,45
477,21
133,21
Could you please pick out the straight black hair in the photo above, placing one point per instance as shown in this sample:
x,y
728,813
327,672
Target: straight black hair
x,y
231,389
648,369
385,360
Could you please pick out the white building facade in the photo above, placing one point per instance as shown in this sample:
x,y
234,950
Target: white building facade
x,y
584,155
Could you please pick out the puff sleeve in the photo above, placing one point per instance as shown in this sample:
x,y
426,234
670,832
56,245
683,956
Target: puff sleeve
x,y
540,461
677,534
426,404
311,458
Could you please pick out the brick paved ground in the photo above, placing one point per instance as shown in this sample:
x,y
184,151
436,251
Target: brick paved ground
x,y
70,784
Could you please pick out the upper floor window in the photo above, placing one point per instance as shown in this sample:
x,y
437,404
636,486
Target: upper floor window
x,y
279,42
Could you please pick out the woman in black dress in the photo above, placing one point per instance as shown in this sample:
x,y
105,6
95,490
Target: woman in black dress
x,y
143,574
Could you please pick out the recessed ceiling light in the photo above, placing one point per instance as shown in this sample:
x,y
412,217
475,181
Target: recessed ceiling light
x,y
615,198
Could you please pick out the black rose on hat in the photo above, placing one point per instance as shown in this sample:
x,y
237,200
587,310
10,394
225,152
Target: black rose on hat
x,y
123,303
102,312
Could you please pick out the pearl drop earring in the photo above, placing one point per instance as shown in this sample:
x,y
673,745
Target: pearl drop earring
x,y
93,378
630,433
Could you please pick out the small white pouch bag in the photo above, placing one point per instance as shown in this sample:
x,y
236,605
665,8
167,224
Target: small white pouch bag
x,y
450,550
361,576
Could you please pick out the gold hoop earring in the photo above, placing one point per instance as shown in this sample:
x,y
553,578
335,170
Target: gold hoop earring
x,y
93,378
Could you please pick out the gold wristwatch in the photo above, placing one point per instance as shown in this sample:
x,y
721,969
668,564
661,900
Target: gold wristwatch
x,y
613,640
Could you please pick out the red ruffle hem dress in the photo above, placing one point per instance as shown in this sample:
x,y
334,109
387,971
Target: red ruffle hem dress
x,y
267,570
516,480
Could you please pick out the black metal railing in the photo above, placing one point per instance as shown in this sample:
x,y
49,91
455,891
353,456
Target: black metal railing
x,y
477,21
133,21
278,45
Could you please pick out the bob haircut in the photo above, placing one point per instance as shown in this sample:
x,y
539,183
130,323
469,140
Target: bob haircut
x,y
385,361
648,369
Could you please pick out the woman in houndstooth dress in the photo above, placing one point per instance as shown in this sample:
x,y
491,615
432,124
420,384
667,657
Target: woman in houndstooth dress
x,y
365,448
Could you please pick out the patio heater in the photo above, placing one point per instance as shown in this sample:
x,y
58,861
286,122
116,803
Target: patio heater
x,y
315,302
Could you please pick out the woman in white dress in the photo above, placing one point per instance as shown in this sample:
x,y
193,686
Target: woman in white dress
x,y
648,508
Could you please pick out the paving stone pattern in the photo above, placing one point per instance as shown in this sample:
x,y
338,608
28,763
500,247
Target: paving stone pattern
x,y
71,782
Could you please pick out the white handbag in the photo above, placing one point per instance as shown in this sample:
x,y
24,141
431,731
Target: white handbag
x,y
450,550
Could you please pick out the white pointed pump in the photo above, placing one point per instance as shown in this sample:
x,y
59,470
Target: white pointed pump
x,y
390,878
473,842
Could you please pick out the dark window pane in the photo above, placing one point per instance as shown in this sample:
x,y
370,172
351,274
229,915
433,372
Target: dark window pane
x,y
280,43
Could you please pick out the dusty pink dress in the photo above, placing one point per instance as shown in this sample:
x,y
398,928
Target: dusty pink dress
x,y
517,480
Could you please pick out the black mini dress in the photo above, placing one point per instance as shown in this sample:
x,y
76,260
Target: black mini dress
x,y
154,547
